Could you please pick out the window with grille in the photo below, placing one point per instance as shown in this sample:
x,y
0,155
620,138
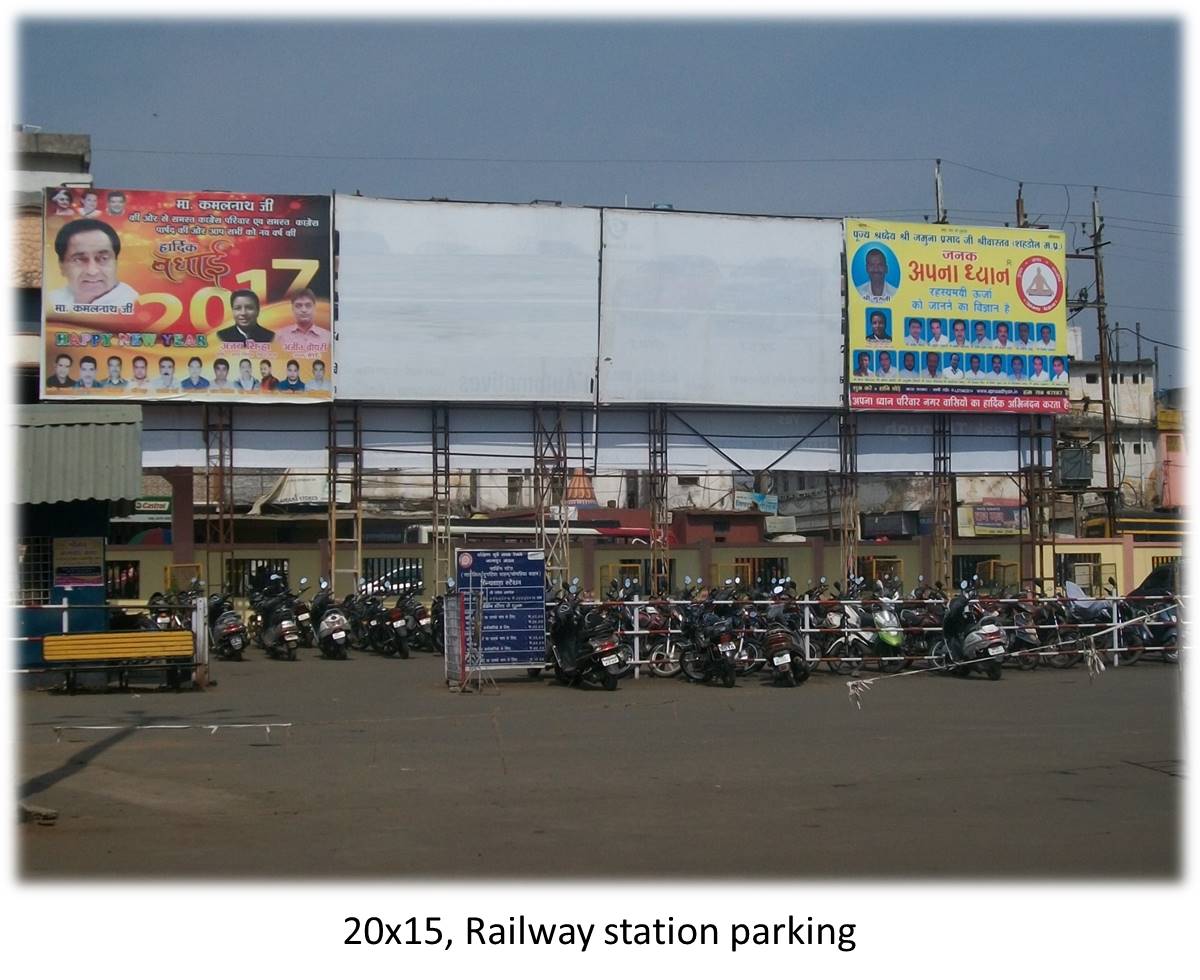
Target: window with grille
x,y
34,570
246,575
968,566
688,481
755,570
878,567
122,580
394,574
516,483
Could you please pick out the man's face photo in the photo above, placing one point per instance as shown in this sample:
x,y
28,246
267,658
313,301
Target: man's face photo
x,y
62,367
910,361
264,369
1023,331
293,371
89,265
245,310
876,270
960,332
980,330
1045,333
914,330
116,203
997,364
931,362
864,363
166,370
139,369
114,369
318,371
1037,365
878,326
954,362
1018,368
221,371
885,362
1001,331
1059,365
87,372
935,329
975,362
194,366
90,200
303,309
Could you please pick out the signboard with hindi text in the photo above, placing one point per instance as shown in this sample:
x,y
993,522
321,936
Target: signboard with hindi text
x,y
944,318
198,296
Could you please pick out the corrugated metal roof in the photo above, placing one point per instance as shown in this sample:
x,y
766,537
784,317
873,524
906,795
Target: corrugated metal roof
x,y
78,452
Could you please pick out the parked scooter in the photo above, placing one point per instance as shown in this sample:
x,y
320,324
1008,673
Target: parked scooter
x,y
332,625
417,619
971,639
584,643
784,650
278,634
226,631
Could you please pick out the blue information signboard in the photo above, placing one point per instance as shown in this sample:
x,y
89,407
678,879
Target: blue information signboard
x,y
510,588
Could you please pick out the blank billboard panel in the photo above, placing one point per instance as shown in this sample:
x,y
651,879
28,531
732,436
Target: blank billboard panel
x,y
701,309
465,302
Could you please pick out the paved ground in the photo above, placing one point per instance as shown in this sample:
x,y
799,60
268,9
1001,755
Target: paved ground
x,y
383,772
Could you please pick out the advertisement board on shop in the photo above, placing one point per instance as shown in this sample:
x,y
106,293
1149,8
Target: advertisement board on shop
x,y
205,296
944,318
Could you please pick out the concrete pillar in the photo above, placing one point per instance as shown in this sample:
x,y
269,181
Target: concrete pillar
x,y
183,516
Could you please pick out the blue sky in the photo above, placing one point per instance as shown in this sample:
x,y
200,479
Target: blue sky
x,y
782,116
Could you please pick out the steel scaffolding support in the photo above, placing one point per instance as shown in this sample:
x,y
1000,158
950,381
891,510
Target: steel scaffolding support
x,y
218,494
443,552
551,475
345,488
660,512
848,451
1037,487
943,499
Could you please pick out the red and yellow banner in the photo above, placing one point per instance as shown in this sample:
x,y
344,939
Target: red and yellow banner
x,y
164,295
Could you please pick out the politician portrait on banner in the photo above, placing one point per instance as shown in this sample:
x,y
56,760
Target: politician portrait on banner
x,y
189,284
983,313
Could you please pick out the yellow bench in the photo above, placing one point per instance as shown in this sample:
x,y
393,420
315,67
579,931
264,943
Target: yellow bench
x,y
122,651
138,645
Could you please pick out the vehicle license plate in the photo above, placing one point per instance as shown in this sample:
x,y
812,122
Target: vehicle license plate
x,y
996,651
339,634
610,661
782,659
727,647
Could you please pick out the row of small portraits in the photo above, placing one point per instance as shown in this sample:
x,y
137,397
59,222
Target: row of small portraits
x,y
937,332
940,365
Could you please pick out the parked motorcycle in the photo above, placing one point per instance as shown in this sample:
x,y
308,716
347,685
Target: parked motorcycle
x,y
708,647
437,617
418,621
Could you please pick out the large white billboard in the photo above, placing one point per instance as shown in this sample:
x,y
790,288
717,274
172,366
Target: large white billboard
x,y
466,302
703,309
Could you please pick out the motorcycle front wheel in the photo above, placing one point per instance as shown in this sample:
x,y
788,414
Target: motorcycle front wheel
x,y
691,664
892,660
